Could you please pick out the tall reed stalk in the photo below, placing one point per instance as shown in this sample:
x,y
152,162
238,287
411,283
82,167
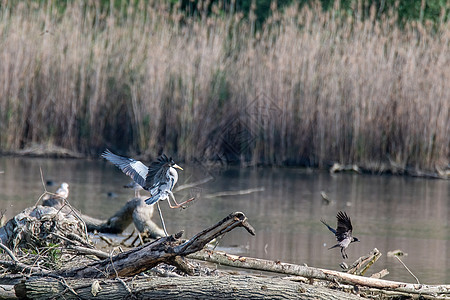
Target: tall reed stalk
x,y
311,87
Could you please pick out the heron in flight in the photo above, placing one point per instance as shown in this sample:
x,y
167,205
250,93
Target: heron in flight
x,y
159,178
343,232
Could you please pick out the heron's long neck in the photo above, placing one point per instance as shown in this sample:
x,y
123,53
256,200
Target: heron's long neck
x,y
172,172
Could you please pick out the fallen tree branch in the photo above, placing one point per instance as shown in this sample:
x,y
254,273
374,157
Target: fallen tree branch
x,y
362,264
210,287
407,269
316,273
162,250
134,211
380,274
18,267
87,251
234,193
193,184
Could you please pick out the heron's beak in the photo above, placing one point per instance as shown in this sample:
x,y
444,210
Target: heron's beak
x,y
177,166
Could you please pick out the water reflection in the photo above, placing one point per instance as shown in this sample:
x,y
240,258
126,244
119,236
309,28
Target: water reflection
x,y
387,212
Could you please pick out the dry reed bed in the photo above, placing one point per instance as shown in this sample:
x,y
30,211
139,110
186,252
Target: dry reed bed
x,y
310,88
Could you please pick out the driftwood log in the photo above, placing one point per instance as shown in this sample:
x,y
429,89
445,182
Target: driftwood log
x,y
212,287
41,226
165,250
134,211
321,274
102,279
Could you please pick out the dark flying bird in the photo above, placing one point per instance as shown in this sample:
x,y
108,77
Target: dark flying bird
x,y
159,178
343,232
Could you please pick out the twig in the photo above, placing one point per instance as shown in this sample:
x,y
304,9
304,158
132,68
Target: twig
x,y
21,267
64,283
79,218
407,268
63,238
9,252
234,193
42,178
87,251
125,285
380,274
106,240
129,237
112,263
193,184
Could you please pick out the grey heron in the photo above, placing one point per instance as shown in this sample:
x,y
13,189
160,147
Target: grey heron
x,y
159,178
63,191
343,232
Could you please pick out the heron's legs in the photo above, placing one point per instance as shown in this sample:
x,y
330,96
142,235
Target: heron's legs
x,y
344,254
176,204
162,219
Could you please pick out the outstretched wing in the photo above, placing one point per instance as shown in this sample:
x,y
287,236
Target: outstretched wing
x,y
344,226
329,227
157,172
133,168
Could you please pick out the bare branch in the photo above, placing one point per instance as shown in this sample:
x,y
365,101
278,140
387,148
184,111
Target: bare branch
x,y
9,252
234,193
396,256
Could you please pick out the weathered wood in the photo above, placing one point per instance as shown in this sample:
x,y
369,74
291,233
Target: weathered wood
x,y
316,273
234,193
362,264
147,256
41,226
193,184
87,251
18,267
211,287
134,211
7,292
380,274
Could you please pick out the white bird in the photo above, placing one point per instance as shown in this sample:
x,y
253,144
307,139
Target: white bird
x,y
63,191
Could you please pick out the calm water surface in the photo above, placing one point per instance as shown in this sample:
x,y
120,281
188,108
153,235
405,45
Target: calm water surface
x,y
388,212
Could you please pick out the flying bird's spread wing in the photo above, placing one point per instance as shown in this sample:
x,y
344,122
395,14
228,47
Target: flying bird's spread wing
x,y
329,227
157,172
344,226
133,168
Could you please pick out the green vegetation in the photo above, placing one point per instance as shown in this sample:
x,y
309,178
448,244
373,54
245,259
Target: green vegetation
x,y
309,87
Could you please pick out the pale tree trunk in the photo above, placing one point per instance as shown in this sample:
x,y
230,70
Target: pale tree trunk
x,y
223,287
322,274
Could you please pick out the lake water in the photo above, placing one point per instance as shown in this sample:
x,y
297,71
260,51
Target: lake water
x,y
388,212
